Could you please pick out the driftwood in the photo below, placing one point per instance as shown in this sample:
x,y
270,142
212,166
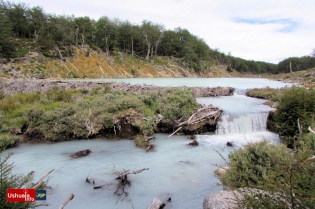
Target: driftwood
x,y
175,131
149,138
122,178
123,175
67,201
151,144
40,182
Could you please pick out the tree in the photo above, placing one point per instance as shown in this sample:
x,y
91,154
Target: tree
x,y
313,53
85,31
107,32
38,21
6,45
152,34
128,35
17,14
170,44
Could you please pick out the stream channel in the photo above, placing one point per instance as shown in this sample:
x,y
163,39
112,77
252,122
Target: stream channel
x,y
187,183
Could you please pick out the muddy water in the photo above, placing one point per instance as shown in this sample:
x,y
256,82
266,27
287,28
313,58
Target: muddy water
x,y
187,183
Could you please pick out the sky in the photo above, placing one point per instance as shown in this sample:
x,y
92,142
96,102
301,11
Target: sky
x,y
260,30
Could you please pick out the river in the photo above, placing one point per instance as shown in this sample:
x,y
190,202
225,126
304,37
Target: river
x,y
187,183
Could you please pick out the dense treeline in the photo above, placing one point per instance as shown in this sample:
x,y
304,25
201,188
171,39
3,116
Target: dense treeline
x,y
55,35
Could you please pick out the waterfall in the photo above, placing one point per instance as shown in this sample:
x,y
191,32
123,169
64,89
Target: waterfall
x,y
239,92
244,124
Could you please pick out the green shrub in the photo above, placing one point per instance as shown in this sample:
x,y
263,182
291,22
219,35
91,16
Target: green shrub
x,y
274,170
295,113
8,140
58,95
176,104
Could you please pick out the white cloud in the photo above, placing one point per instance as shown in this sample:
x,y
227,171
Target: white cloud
x,y
214,21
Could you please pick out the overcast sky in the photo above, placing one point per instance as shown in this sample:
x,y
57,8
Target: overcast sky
x,y
261,30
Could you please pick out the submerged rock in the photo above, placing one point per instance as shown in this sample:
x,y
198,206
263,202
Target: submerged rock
x,y
81,153
194,143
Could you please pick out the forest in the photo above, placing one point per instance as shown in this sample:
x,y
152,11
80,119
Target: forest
x,y
55,36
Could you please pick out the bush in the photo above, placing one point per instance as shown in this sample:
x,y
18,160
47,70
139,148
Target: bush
x,y
281,177
295,113
176,104
58,95
8,140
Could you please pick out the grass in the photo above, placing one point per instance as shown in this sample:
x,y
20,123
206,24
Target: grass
x,y
265,93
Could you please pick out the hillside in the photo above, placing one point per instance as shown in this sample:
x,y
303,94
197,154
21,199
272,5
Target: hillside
x,y
88,63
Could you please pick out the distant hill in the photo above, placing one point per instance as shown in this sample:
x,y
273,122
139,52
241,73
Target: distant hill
x,y
36,44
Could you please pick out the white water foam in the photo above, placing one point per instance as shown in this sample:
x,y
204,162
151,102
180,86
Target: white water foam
x,y
244,124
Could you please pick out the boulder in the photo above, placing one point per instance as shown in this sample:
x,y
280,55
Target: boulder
x,y
222,200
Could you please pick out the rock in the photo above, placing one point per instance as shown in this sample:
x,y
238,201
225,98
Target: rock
x,y
222,200
221,171
273,110
230,144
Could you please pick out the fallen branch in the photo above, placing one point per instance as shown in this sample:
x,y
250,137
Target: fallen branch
x,y
190,121
41,180
67,201
175,131
156,204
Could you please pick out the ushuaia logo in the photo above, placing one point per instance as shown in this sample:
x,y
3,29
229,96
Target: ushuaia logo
x,y
21,195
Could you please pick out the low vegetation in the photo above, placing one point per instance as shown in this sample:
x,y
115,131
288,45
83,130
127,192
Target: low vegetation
x,y
264,93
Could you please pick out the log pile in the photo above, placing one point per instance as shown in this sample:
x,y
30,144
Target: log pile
x,y
204,119
27,86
